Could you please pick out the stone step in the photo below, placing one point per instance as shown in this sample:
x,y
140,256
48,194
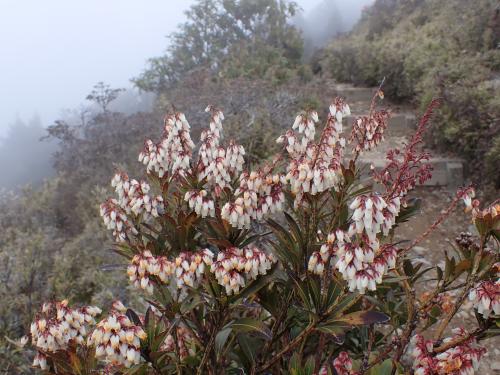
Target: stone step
x,y
399,123
354,94
447,172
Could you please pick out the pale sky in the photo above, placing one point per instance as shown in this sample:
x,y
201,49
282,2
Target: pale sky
x,y
53,51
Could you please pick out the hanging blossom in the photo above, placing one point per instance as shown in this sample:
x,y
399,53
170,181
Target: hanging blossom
x,y
133,199
362,262
234,267
315,167
200,203
342,365
133,196
117,339
216,163
185,270
368,131
259,194
173,153
56,325
486,297
183,340
116,219
373,215
459,360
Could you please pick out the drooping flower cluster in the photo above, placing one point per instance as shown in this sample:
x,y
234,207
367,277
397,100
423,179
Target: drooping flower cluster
x,y
56,325
216,163
133,196
458,360
234,267
362,262
173,153
117,340
259,194
143,266
373,215
368,131
200,203
133,199
315,167
186,270
183,340
342,365
116,219
486,297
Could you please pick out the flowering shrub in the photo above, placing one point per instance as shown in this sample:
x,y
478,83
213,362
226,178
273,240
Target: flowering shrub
x,y
288,268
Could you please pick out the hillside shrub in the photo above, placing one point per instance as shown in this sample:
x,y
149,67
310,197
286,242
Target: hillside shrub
x,y
290,267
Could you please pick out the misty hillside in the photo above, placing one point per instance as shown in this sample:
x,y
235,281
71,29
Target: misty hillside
x,y
25,148
261,63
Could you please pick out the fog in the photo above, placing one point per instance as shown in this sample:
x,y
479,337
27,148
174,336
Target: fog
x,y
53,52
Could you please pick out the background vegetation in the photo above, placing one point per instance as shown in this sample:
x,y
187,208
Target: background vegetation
x,y
431,48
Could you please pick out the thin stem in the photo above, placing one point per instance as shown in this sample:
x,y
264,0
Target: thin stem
x,y
292,344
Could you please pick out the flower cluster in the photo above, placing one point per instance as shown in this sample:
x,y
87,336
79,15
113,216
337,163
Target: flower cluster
x,y
363,264
258,195
373,215
184,340
457,360
361,261
186,270
56,325
133,196
200,203
315,167
133,199
486,297
216,163
144,265
173,153
234,267
342,365
368,131
115,219
117,340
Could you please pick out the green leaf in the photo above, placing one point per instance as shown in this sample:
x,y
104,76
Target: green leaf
x,y
245,325
439,272
364,318
249,346
309,367
384,368
344,304
133,317
408,267
221,337
410,210
334,329
314,291
333,292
